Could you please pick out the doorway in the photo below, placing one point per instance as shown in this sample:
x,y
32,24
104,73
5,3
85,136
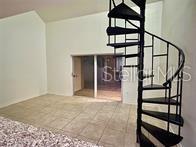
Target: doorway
x,y
108,77
83,76
97,76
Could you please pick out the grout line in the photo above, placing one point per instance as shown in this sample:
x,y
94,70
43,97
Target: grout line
x,y
78,134
72,120
128,119
89,139
107,123
76,116
114,110
89,122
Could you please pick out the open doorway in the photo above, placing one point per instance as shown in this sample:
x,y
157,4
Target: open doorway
x,y
97,76
83,76
108,77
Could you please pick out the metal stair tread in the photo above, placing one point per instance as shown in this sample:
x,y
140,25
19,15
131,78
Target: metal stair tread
x,y
139,3
160,100
145,142
165,137
148,76
120,31
124,12
125,44
154,87
130,66
175,119
127,56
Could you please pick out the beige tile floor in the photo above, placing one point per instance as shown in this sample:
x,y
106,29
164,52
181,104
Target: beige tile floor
x,y
104,122
101,94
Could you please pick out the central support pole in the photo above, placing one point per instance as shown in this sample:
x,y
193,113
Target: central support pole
x,y
140,72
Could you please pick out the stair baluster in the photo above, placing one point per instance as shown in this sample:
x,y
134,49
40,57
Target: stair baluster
x,y
124,12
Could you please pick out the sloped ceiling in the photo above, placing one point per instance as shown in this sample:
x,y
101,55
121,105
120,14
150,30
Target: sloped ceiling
x,y
54,10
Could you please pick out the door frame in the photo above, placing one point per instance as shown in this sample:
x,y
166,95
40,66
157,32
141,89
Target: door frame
x,y
95,71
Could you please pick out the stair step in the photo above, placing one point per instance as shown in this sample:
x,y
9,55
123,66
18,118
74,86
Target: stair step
x,y
165,137
160,55
124,12
175,119
127,56
161,100
155,87
148,76
175,96
126,44
120,31
130,66
140,3
132,39
145,142
148,46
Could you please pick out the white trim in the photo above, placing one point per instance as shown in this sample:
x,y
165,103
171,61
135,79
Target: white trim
x,y
73,92
95,76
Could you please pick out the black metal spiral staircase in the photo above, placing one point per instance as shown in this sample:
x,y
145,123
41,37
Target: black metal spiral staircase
x,y
165,136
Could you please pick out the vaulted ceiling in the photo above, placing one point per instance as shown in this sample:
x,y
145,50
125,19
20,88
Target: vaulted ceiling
x,y
54,10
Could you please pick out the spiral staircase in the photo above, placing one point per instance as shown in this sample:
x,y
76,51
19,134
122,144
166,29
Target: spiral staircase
x,y
122,12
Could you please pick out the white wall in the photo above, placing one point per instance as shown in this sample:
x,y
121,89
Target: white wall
x,y
1,40
83,35
78,36
23,58
179,26
153,24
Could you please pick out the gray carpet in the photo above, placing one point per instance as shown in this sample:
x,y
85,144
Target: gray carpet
x,y
17,134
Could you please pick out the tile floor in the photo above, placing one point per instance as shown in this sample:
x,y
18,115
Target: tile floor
x,y
104,122
101,94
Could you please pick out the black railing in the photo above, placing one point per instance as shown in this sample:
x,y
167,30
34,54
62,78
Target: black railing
x,y
180,51
168,81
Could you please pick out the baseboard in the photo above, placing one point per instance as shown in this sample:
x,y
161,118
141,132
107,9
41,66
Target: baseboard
x,y
18,100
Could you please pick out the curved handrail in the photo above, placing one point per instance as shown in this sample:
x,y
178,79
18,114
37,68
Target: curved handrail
x,y
180,67
181,53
